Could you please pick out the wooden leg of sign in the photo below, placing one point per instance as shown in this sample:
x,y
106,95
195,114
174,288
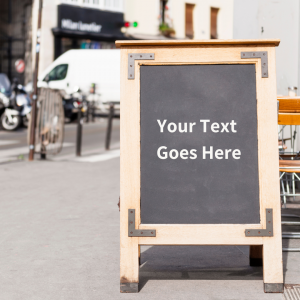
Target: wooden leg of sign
x,y
272,265
129,267
256,255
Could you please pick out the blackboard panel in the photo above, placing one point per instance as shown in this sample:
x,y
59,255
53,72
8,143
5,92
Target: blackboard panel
x,y
198,191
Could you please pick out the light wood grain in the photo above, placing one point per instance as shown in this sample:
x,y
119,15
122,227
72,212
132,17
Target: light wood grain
x,y
289,104
289,166
124,43
268,170
201,52
129,173
289,119
210,234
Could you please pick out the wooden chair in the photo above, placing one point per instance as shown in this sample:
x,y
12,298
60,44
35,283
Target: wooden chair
x,y
289,109
289,114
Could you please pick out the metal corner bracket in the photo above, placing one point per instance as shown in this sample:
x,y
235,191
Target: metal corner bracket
x,y
137,232
264,60
263,232
132,57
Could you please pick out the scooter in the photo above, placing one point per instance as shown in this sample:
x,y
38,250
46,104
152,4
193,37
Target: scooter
x,y
72,103
15,110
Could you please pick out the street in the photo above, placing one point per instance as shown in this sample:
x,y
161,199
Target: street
x,y
60,240
60,226
14,147
161,154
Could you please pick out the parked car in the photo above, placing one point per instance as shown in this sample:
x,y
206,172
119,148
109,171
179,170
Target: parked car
x,y
5,87
82,68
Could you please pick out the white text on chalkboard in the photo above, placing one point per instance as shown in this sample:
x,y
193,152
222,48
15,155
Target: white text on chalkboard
x,y
188,127
207,152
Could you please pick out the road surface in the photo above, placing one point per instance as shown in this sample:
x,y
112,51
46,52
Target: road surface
x,y
13,145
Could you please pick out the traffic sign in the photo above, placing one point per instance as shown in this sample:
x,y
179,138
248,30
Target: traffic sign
x,y
20,65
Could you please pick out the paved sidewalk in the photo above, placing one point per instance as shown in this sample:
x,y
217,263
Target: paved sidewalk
x,y
60,241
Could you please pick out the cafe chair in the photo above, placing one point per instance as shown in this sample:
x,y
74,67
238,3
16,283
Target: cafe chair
x,y
291,168
289,163
289,108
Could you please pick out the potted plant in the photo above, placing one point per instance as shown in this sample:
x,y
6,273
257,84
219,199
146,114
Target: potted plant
x,y
166,30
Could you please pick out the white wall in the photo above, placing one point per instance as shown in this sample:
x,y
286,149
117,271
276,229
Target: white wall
x,y
261,19
245,19
280,19
111,5
145,12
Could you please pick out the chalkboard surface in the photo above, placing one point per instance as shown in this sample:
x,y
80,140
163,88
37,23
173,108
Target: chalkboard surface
x,y
182,189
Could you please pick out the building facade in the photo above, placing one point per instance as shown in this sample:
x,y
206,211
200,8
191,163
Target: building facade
x,y
262,19
76,24
15,38
96,24
194,19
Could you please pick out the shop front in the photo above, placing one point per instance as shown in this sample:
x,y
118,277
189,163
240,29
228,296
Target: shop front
x,y
85,28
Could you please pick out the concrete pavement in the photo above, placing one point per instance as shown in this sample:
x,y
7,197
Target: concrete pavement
x,y
13,145
60,240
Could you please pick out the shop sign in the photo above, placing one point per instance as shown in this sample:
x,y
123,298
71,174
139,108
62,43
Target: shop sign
x,y
91,21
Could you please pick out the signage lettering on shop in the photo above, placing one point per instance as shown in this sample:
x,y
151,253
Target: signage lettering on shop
x,y
77,20
69,24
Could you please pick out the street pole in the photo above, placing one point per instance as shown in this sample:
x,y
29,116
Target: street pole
x,y
79,131
109,125
9,47
35,88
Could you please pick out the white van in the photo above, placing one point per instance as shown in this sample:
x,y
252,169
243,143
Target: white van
x,y
82,68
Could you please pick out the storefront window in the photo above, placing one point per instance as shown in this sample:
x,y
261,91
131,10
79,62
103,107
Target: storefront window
x,y
88,44
68,44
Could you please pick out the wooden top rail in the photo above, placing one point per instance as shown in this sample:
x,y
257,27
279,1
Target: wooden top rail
x,y
289,166
289,104
267,42
289,118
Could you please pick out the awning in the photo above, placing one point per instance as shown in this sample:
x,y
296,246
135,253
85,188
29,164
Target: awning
x,y
88,35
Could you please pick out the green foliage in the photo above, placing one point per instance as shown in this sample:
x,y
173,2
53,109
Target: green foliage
x,y
166,30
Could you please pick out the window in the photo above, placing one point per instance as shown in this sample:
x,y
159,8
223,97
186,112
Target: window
x,y
189,21
58,73
214,22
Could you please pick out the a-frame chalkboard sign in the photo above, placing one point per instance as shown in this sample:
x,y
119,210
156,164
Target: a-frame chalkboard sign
x,y
199,152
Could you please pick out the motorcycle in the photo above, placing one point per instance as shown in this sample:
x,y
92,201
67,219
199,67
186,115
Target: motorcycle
x,y
15,109
72,103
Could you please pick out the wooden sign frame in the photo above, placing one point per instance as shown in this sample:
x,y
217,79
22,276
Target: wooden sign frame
x,y
264,238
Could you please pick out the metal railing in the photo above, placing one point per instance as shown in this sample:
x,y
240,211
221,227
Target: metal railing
x,y
89,112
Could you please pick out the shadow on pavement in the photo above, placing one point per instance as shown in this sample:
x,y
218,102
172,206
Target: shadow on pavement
x,y
290,243
196,263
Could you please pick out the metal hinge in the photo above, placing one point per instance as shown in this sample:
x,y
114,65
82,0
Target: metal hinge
x,y
264,60
263,232
136,232
132,57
